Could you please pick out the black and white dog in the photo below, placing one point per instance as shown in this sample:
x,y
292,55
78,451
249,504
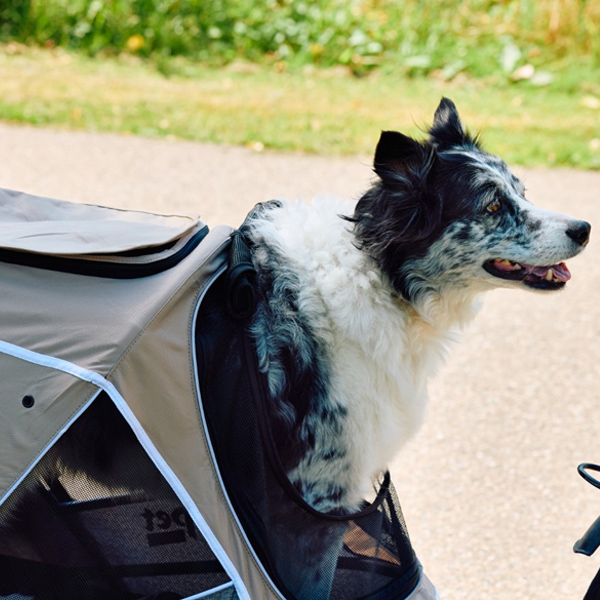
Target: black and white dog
x,y
356,311
359,301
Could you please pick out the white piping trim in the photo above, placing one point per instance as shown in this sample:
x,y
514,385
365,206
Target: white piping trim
x,y
54,363
210,592
155,456
208,440
179,490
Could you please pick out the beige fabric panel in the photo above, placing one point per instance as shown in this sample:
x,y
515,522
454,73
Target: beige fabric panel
x,y
89,321
47,226
84,320
161,359
26,432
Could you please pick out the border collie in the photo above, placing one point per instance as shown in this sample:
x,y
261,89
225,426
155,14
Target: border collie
x,y
358,302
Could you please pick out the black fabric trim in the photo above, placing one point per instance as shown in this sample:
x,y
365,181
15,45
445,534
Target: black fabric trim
x,y
76,506
174,568
107,270
142,251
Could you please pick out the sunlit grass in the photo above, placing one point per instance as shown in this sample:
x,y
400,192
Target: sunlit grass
x,y
310,110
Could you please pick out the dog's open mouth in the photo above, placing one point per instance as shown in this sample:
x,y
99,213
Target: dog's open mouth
x,y
553,277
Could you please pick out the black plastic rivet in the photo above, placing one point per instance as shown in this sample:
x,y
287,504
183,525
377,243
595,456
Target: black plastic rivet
x,y
28,401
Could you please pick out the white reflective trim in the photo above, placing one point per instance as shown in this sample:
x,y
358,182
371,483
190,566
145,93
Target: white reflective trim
x,y
41,455
54,363
209,593
157,459
210,447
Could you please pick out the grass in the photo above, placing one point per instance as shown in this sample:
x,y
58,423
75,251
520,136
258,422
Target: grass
x,y
324,111
472,36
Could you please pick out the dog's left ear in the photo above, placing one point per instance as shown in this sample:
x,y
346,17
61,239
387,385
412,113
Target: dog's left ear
x,y
395,152
399,158
447,130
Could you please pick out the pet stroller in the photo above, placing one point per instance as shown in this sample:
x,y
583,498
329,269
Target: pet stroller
x,y
124,357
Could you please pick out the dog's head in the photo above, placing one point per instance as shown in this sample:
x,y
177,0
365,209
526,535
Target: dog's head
x,y
445,215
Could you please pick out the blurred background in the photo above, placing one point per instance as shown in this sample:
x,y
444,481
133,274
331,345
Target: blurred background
x,y
288,98
320,76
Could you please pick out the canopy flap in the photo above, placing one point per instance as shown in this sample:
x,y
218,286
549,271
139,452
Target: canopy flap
x,y
34,224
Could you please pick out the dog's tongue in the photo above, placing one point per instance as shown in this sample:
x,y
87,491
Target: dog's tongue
x,y
560,271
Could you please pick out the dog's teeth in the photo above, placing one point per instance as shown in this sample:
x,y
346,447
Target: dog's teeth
x,y
517,266
549,275
506,262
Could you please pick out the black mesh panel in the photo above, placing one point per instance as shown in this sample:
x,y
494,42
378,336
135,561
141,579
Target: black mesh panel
x,y
111,529
308,556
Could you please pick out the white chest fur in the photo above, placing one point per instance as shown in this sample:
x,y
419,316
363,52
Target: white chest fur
x,y
381,350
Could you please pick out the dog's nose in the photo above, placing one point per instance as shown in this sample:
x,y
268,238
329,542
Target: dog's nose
x,y
580,232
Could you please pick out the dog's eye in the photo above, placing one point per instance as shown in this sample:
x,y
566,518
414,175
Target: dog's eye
x,y
494,206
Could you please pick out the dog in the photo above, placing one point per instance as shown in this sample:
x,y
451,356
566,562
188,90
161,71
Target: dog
x,y
358,304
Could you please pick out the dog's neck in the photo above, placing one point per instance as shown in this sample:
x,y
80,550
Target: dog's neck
x,y
450,310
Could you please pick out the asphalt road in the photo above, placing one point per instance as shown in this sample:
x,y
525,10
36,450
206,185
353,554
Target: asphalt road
x,y
489,486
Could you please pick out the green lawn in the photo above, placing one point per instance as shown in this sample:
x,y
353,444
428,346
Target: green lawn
x,y
308,110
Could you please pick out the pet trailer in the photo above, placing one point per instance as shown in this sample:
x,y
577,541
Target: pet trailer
x,y
134,458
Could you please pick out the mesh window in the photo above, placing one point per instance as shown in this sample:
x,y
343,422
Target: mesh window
x,y
108,528
308,556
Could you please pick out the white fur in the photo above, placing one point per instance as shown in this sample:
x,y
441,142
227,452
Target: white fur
x,y
383,350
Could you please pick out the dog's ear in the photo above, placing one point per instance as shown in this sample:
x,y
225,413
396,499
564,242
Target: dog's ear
x,y
403,208
447,130
394,151
402,212
398,156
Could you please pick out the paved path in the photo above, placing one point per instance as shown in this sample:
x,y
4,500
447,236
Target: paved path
x,y
489,486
